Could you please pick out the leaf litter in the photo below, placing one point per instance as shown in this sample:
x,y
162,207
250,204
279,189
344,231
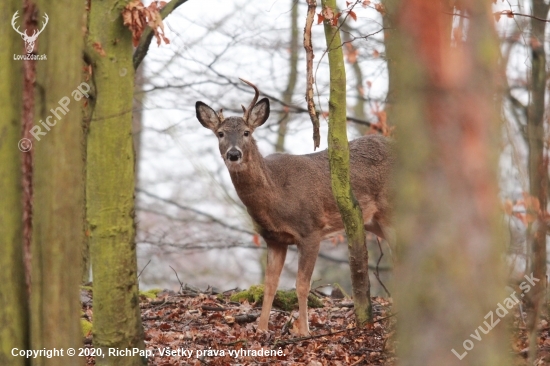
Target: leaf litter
x,y
206,328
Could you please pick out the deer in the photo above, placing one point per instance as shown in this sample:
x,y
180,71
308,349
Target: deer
x,y
289,197
29,40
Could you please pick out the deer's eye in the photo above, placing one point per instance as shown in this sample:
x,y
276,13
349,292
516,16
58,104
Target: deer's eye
x,y
220,134
246,133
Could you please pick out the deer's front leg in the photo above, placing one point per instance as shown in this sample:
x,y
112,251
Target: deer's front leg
x,y
276,254
308,251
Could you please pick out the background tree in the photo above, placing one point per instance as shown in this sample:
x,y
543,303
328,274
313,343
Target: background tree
x,y
448,238
284,117
58,182
13,296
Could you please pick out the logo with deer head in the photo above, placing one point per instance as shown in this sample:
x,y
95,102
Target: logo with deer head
x,y
29,40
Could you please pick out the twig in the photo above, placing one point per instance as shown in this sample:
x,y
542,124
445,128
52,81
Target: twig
x,y
181,284
313,114
508,13
243,341
213,308
376,274
300,339
384,318
361,359
143,269
198,212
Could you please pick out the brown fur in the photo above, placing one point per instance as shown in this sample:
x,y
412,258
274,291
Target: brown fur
x,y
290,199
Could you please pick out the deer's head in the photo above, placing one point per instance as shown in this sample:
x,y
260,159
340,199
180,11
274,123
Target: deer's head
x,y
29,40
235,133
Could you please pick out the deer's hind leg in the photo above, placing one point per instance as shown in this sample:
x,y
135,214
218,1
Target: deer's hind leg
x,y
276,254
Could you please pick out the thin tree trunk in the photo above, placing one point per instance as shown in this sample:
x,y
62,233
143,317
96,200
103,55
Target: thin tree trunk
x,y
110,186
338,150
58,184
27,121
292,78
449,274
538,168
13,295
359,107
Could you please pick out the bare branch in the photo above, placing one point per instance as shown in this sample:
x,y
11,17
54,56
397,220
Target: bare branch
x,y
313,114
194,210
147,36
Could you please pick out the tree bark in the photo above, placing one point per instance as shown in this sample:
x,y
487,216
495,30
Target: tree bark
x,y
58,184
13,295
538,168
292,78
449,240
110,186
338,150
359,107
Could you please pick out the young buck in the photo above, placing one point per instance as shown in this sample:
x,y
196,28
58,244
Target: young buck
x,y
289,197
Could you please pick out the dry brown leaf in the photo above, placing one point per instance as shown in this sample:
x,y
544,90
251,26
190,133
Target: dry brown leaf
x,y
380,8
136,17
328,13
320,18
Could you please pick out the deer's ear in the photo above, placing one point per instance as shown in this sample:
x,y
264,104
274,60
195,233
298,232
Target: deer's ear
x,y
206,116
259,114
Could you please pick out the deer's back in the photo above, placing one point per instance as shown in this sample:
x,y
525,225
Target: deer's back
x,y
303,197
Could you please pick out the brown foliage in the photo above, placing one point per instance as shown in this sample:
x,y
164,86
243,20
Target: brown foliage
x,y
137,16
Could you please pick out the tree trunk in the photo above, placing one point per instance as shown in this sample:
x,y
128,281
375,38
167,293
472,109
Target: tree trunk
x,y
538,168
359,107
292,78
110,186
58,184
449,240
338,150
13,296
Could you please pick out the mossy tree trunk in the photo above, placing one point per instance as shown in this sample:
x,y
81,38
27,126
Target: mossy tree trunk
x,y
58,185
13,296
110,185
538,169
338,150
449,240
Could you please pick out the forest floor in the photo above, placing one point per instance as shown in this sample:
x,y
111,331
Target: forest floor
x,y
196,328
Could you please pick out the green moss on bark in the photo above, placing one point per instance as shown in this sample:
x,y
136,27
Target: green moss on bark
x,y
338,150
110,185
13,302
58,185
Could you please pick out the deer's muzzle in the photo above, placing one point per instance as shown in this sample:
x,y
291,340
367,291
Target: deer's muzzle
x,y
234,155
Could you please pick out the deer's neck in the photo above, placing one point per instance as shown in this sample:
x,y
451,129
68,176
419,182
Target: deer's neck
x,y
253,183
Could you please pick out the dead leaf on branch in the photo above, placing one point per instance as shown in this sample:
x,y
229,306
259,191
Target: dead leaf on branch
x,y
380,8
137,16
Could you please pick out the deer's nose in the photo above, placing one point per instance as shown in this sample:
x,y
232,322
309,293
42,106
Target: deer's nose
x,y
234,155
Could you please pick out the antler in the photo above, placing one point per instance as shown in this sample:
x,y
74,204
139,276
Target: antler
x,y
13,19
43,24
254,100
